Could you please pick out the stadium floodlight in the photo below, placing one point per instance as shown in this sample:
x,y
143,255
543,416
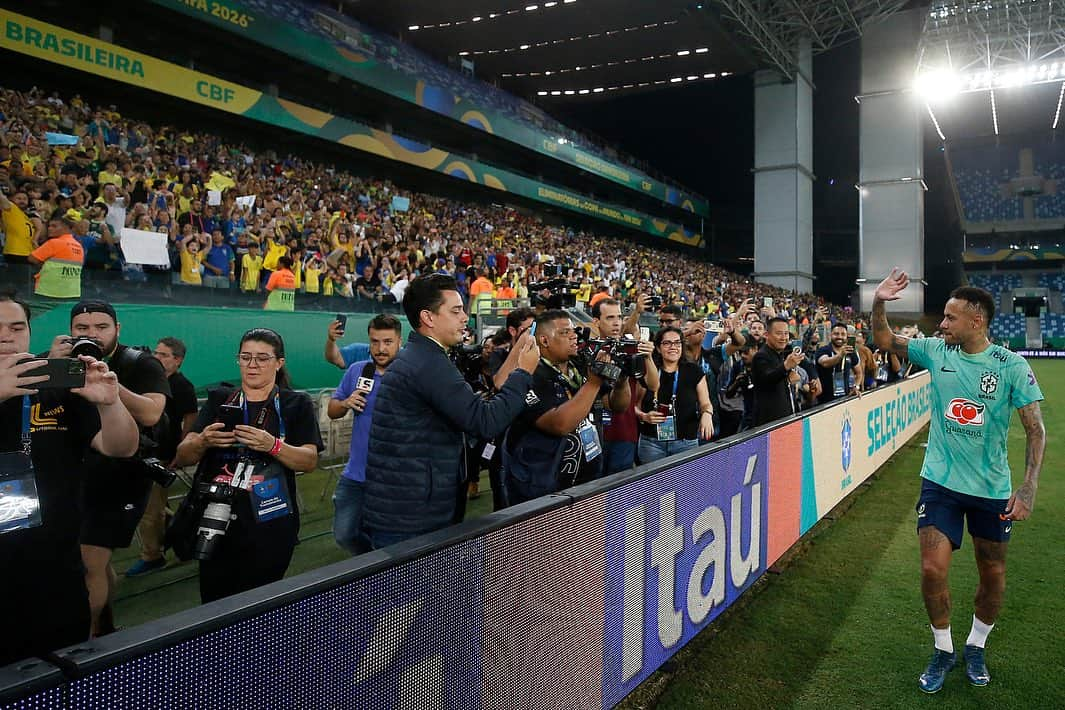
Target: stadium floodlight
x,y
524,46
693,77
597,90
556,93
541,93
530,8
550,4
675,80
477,19
569,92
584,91
702,50
683,53
710,75
937,85
412,28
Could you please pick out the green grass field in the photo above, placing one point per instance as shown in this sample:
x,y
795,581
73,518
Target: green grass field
x,y
844,627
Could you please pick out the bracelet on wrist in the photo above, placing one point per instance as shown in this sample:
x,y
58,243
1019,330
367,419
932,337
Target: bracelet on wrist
x,y
277,447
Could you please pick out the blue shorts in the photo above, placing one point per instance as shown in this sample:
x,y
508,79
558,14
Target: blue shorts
x,y
946,510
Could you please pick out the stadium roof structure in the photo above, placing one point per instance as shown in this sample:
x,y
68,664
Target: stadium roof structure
x,y
578,49
992,67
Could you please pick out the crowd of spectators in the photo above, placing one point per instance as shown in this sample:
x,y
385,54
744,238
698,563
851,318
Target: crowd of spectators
x,y
341,231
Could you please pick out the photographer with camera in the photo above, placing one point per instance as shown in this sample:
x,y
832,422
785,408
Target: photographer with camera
x,y
554,443
357,393
738,395
675,415
414,470
116,490
621,433
241,520
46,430
500,363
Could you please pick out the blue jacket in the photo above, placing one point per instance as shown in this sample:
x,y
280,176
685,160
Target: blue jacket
x,y
414,470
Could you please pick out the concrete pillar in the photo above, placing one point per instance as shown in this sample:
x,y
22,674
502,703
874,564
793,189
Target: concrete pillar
x,y
783,176
891,163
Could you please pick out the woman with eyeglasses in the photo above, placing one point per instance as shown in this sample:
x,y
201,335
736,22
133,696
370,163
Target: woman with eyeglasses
x,y
675,416
248,443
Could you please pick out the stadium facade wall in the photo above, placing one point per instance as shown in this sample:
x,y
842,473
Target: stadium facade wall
x,y
568,601
74,50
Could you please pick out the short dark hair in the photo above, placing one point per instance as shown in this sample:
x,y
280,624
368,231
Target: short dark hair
x,y
672,310
176,346
426,293
518,316
597,308
385,321
549,316
11,296
500,337
977,297
776,319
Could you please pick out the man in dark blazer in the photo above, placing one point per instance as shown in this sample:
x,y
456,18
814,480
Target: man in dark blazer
x,y
415,473
770,368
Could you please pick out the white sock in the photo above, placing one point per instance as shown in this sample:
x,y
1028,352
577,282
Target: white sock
x,y
978,636
943,640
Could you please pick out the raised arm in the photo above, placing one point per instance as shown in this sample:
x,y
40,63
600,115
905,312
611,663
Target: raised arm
x,y
889,290
1021,502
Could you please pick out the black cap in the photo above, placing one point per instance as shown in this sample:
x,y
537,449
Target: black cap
x,y
93,307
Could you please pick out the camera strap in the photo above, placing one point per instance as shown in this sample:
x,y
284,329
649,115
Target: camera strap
x,y
676,382
572,383
27,444
260,419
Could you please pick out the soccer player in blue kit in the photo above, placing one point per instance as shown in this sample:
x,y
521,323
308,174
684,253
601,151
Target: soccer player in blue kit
x,y
965,477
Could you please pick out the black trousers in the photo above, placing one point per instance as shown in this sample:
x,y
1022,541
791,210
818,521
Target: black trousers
x,y
47,612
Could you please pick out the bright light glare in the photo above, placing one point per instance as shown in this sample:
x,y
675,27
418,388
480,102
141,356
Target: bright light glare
x,y
937,85
414,27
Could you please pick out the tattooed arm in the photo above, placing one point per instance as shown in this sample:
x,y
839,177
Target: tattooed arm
x,y
889,290
1023,499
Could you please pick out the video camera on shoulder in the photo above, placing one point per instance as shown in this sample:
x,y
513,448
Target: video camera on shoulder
x,y
563,294
469,359
624,356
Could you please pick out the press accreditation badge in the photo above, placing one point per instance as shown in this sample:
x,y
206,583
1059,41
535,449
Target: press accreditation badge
x,y
839,384
667,430
589,440
20,506
270,499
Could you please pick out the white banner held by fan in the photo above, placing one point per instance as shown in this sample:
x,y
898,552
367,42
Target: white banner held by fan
x,y
140,247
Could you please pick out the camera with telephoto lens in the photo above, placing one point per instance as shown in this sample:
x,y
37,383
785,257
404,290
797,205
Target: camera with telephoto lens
x,y
469,359
563,294
215,519
158,472
83,345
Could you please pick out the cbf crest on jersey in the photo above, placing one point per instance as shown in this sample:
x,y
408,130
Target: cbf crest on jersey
x,y
989,382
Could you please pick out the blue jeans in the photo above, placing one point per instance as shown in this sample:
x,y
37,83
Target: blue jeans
x,y
618,456
653,449
347,514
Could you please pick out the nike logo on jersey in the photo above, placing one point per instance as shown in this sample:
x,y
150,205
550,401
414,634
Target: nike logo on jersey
x,y
946,369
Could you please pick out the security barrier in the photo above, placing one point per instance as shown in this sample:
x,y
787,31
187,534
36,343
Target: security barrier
x,y
568,601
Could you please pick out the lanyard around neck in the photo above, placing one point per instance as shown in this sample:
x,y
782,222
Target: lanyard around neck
x,y
260,419
26,408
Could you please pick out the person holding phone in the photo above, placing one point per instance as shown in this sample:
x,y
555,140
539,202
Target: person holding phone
x,y
357,393
678,413
838,366
276,434
45,433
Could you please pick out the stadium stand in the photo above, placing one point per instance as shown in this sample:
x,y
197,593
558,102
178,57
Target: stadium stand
x,y
994,282
1052,280
350,35
335,223
992,183
1008,328
1053,327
